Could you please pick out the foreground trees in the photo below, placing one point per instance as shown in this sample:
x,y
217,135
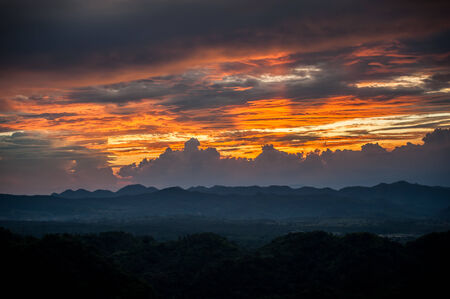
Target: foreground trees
x,y
306,265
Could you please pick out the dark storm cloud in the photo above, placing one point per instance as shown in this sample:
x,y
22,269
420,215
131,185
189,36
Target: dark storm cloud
x,y
191,89
34,163
108,34
438,81
318,79
438,42
125,92
371,165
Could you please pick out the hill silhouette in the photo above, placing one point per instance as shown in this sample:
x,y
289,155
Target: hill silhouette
x,y
383,201
136,189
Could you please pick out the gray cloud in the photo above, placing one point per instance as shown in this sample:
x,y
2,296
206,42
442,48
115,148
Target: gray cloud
x,y
105,36
438,81
426,164
62,35
48,116
319,79
31,163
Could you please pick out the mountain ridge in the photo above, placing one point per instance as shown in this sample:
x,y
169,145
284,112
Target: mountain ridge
x,y
398,200
138,189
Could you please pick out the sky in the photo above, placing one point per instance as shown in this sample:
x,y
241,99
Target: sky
x,y
101,94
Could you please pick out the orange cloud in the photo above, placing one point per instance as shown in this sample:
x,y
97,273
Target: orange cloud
x,y
133,130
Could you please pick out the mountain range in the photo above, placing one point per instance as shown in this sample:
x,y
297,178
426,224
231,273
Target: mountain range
x,y
135,189
396,200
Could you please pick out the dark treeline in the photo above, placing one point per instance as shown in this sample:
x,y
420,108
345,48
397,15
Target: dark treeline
x,y
249,234
297,265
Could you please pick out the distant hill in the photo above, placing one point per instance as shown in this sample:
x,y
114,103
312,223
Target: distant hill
x,y
135,190
254,190
383,201
82,193
127,190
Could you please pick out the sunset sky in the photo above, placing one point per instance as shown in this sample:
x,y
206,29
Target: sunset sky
x,y
87,88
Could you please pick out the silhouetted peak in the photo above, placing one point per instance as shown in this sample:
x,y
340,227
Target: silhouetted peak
x,y
396,185
403,183
135,189
279,188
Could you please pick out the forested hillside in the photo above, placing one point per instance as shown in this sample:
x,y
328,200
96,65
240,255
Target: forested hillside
x,y
306,265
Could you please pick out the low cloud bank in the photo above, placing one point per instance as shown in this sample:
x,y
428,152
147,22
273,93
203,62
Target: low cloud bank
x,y
425,164
34,164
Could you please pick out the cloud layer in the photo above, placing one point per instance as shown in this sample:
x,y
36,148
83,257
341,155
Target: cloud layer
x,y
33,164
62,36
426,164
115,81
